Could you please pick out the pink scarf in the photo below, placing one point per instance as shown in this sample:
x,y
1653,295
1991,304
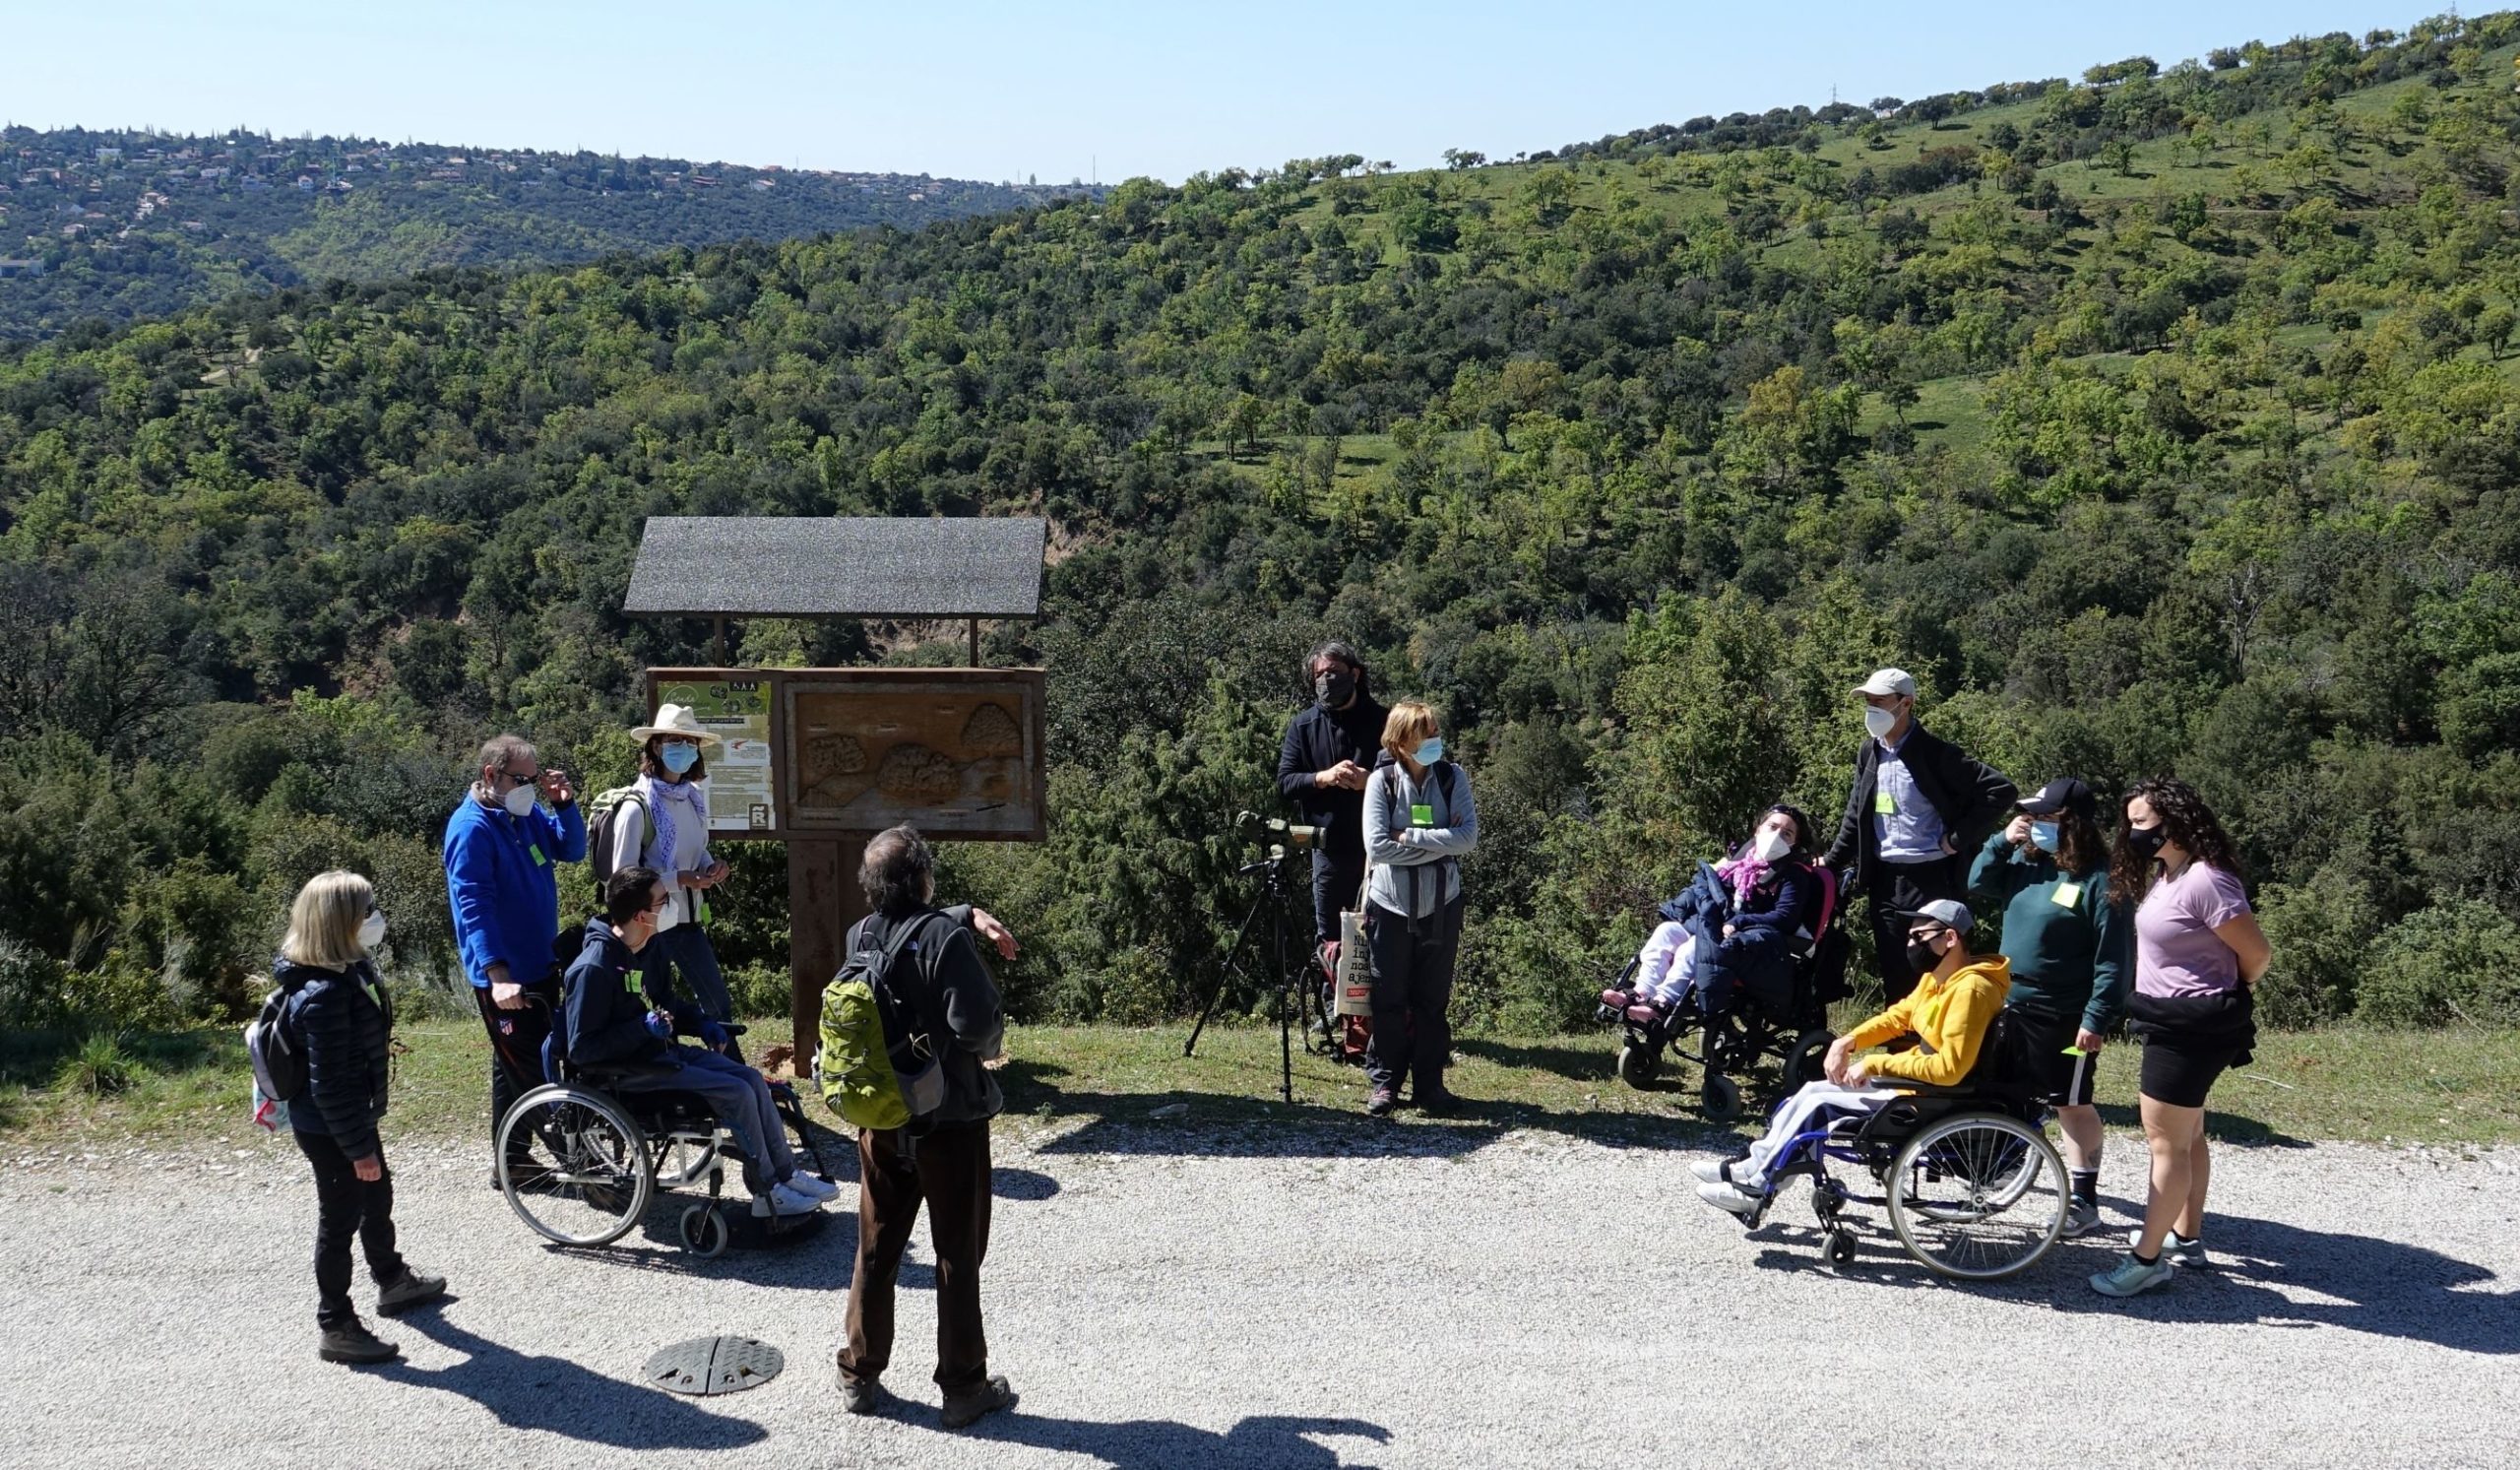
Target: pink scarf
x,y
1745,872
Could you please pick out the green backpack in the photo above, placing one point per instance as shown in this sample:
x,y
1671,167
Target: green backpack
x,y
877,1067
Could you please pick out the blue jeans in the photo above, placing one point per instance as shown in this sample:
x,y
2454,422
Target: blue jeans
x,y
683,950
740,1098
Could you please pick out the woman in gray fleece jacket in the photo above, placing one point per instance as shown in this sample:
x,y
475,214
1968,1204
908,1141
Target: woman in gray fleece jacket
x,y
1418,822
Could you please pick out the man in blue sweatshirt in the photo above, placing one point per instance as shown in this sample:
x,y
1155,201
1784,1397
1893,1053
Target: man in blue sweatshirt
x,y
504,892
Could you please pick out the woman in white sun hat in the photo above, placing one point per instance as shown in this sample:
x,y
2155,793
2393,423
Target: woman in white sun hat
x,y
663,823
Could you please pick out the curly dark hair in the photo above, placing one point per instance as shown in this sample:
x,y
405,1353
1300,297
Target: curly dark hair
x,y
2082,850
2188,822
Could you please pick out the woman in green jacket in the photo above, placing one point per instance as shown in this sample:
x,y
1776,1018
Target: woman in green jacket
x,y
2049,874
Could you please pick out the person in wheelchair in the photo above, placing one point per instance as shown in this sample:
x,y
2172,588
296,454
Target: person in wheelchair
x,y
1948,1013
1736,923
611,1030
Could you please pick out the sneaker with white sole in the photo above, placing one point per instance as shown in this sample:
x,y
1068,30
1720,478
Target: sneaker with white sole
x,y
812,1184
2130,1276
2177,1249
782,1200
1709,1170
1729,1199
2082,1217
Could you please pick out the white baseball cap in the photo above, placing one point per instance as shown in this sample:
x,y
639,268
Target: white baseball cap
x,y
1889,681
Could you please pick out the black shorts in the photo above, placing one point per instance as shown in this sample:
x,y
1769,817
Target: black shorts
x,y
2066,1082
2180,1071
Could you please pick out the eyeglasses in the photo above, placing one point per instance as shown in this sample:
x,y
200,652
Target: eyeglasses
x,y
512,780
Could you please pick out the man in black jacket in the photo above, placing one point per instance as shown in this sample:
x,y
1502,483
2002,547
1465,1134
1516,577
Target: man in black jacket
x,y
1329,750
942,1160
1919,810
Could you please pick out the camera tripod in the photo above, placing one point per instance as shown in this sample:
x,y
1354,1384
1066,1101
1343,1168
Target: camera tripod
x,y
1293,979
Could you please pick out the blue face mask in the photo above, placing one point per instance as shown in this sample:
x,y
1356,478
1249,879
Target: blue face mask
x,y
1432,751
2043,836
680,758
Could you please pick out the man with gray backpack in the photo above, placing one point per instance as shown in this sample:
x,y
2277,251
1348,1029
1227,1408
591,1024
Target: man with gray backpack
x,y
908,1023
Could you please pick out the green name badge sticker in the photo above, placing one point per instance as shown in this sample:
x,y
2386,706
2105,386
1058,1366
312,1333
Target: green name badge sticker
x,y
1422,814
1883,805
539,860
2068,894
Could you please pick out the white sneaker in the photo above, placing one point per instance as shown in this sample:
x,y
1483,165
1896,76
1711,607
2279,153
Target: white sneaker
x,y
1709,1170
782,1200
1729,1199
812,1184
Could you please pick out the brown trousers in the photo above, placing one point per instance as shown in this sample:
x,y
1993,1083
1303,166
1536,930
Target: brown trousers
x,y
948,1169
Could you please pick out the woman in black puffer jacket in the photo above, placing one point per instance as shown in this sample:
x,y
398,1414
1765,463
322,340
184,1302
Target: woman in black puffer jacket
x,y
339,1013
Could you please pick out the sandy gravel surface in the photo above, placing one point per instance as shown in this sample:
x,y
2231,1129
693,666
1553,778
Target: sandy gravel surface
x,y
1169,1294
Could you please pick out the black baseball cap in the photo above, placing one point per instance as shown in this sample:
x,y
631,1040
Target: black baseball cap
x,y
2060,795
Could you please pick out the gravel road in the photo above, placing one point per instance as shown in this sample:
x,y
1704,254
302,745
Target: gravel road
x,y
1169,1294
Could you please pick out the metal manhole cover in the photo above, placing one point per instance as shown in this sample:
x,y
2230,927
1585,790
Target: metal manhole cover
x,y
715,1365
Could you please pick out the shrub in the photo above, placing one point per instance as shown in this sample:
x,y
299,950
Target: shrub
x,y
100,1067
2456,962
2321,932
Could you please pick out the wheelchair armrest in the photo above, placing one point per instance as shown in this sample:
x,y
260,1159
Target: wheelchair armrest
x,y
733,1028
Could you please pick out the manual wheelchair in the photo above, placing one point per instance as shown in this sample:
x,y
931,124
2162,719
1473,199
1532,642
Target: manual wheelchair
x,y
1972,1187
597,1156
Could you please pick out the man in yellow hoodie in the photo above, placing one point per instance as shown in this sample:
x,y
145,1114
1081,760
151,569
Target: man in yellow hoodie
x,y
1948,1012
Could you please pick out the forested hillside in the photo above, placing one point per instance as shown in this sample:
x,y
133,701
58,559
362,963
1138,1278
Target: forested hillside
x,y
2162,420
108,226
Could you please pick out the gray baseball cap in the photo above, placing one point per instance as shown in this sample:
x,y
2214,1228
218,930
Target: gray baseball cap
x,y
1950,913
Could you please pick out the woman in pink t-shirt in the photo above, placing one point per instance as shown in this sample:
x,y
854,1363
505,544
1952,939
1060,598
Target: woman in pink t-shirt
x,y
2198,956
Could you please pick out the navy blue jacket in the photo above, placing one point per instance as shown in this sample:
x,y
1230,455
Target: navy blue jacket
x,y
346,1022
605,1010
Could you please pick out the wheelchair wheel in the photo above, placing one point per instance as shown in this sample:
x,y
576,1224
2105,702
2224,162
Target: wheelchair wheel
x,y
1839,1250
1720,1100
1976,1195
704,1231
1810,1055
1638,1066
587,1182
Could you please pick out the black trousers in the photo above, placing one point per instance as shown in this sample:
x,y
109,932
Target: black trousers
x,y
347,1206
1412,986
1335,881
516,1046
1907,885
949,1172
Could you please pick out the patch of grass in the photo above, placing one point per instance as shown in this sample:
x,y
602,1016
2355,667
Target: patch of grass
x,y
98,1069
2435,1086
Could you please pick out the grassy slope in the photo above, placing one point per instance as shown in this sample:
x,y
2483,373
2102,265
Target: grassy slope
x,y
2342,1084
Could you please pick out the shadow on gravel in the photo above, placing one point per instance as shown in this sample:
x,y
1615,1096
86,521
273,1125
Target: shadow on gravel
x,y
553,1394
1225,1126
1269,1442
2358,1282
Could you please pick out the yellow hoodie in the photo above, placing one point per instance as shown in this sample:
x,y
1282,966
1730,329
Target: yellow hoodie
x,y
1949,1013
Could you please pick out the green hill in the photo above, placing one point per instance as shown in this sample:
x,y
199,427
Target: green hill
x,y
112,225
2159,421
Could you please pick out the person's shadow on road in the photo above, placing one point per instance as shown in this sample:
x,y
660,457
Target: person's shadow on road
x,y
532,1392
1262,1441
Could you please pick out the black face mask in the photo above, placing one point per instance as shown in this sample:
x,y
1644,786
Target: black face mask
x,y
1334,687
1921,957
2145,842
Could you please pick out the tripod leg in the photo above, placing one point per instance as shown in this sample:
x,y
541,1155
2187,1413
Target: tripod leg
x,y
1289,999
1209,1010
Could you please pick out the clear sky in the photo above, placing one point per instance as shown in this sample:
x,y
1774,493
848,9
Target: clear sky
x,y
1115,88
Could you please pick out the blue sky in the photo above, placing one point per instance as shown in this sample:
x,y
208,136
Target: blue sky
x,y
998,90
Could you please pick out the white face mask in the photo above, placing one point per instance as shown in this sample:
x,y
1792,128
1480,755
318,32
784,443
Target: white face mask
x,y
1878,720
519,800
371,932
1771,846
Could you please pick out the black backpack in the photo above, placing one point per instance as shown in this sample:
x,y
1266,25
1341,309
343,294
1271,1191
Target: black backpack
x,y
277,1054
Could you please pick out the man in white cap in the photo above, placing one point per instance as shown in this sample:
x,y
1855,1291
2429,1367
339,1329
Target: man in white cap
x,y
1917,812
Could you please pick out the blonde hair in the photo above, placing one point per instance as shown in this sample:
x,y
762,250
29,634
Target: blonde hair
x,y
1410,722
324,920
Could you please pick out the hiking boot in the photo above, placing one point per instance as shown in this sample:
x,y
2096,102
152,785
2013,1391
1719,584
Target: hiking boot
x,y
1383,1101
2082,1217
1443,1102
409,1289
971,1408
2177,1250
2130,1276
858,1396
351,1342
